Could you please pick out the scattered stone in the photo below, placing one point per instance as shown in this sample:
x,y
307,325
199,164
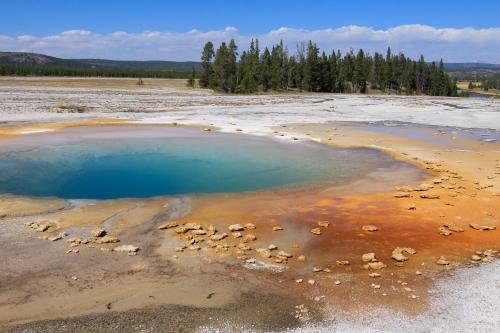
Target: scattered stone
x,y
251,261
236,227
284,254
337,282
317,269
299,280
324,224
369,228
98,233
218,237
237,234
442,261
418,273
412,207
194,248
397,253
429,196
272,247
316,231
264,253
199,232
402,195
250,226
481,227
277,228
423,187
374,275
57,237
106,239
444,231
375,286
368,257
74,278
311,282
249,238
207,129
475,257
301,258
343,262
168,225
126,248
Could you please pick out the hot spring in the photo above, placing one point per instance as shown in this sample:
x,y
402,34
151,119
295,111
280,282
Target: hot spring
x,y
108,162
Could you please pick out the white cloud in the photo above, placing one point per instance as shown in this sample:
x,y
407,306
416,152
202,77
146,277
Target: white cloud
x,y
451,44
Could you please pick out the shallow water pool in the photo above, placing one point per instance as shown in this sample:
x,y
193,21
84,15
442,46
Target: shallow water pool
x,y
108,162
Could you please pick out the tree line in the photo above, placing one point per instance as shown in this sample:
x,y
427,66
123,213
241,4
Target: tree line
x,y
88,72
224,69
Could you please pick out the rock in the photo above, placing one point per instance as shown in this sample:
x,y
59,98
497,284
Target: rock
x,y
42,227
376,265
423,187
444,231
277,228
218,237
418,273
429,196
368,257
317,269
250,226
481,227
57,237
249,238
475,257
442,261
194,248
236,227
301,258
316,231
126,248
237,234
251,261
272,247
207,129
284,254
374,275
211,230
98,233
311,282
412,207
397,253
168,225
375,286
198,232
107,239
192,226
299,280
264,253
337,282
343,262
369,228
324,224
244,247
402,195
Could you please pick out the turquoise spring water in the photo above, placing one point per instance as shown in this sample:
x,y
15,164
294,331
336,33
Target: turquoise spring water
x,y
143,161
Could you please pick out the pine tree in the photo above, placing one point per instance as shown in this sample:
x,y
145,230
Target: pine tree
x,y
207,73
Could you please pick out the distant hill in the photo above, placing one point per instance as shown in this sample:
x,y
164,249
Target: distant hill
x,y
473,70
23,59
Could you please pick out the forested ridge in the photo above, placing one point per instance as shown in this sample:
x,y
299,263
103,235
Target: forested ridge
x,y
309,69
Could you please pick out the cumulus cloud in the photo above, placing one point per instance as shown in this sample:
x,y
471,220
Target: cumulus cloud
x,y
451,44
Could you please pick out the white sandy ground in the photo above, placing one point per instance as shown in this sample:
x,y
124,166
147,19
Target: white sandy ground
x,y
467,302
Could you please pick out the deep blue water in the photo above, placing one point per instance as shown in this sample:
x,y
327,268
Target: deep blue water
x,y
121,162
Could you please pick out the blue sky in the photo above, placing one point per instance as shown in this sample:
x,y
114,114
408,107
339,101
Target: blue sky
x,y
257,16
42,20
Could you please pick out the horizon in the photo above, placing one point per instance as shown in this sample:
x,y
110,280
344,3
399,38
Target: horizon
x,y
125,30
